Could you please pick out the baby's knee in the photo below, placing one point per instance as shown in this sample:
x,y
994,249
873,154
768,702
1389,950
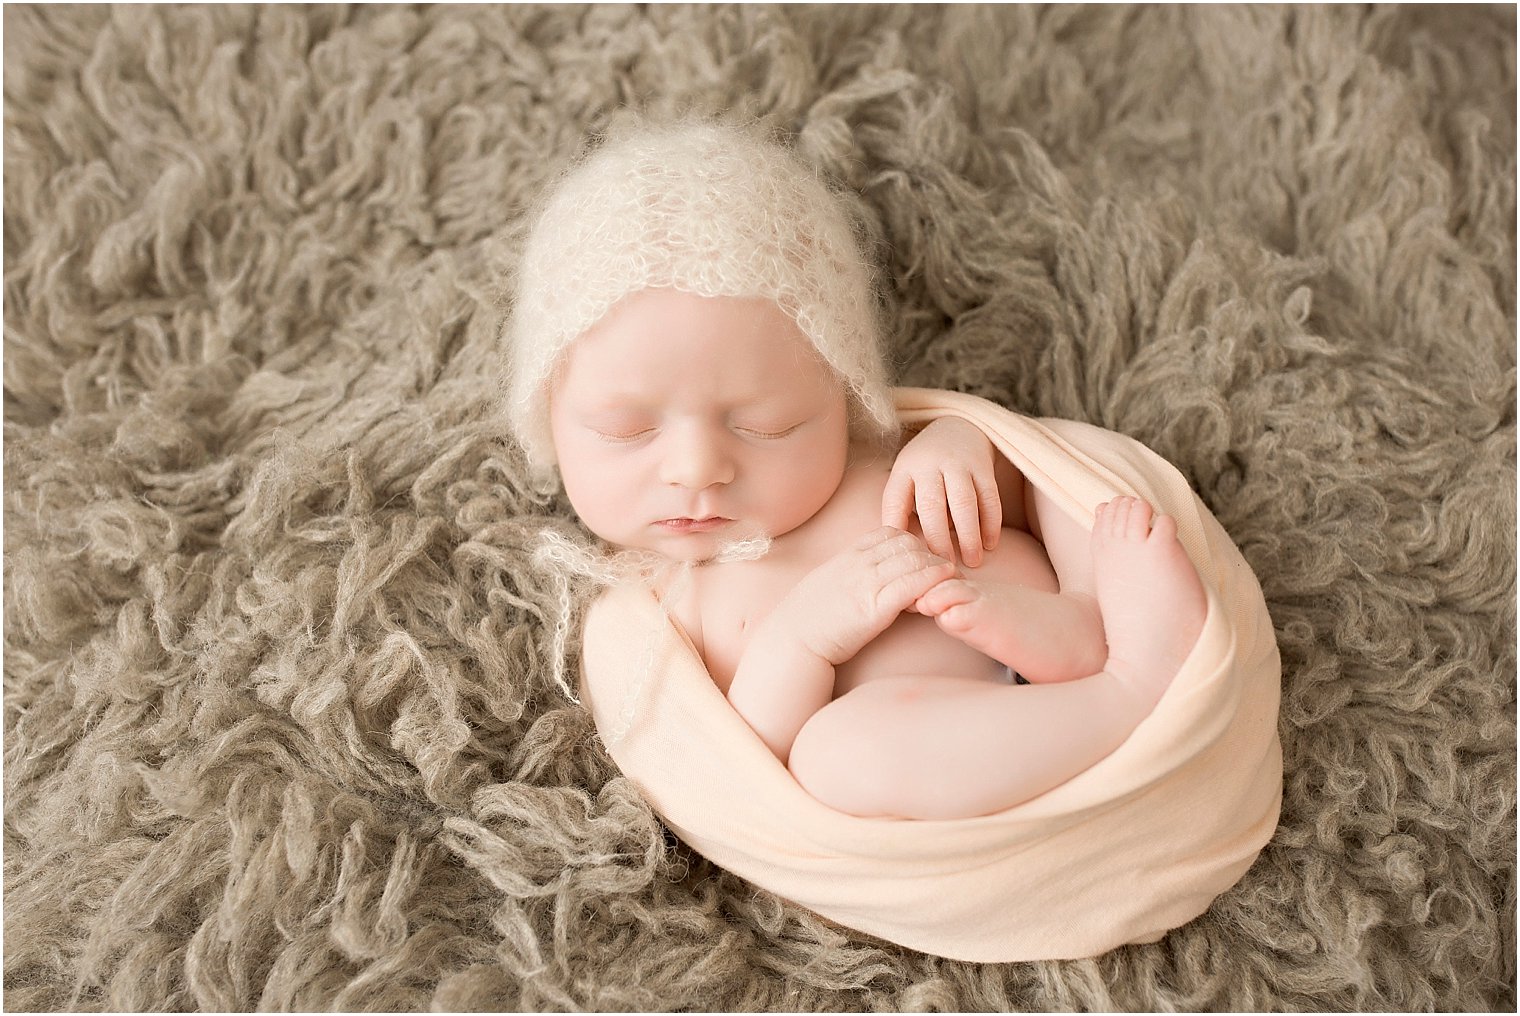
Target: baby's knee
x,y
845,759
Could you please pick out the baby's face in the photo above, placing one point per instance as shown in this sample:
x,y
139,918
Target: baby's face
x,y
683,421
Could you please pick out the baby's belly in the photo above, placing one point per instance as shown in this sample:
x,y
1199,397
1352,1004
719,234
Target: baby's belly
x,y
914,646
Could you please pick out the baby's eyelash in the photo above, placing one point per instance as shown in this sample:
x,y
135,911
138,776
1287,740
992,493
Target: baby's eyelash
x,y
623,438
770,435
614,438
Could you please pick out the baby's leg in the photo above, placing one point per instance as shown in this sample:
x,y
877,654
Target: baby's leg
x,y
1152,600
936,747
943,747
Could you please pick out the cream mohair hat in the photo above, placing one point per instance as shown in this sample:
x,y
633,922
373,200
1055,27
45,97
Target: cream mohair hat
x,y
707,209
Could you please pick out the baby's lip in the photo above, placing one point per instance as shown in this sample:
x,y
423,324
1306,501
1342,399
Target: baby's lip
x,y
689,524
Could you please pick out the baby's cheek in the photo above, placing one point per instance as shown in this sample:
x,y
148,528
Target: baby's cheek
x,y
592,492
611,498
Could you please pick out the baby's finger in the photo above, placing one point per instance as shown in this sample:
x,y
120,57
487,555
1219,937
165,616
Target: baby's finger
x,y
960,495
992,509
929,495
897,500
875,543
902,591
901,557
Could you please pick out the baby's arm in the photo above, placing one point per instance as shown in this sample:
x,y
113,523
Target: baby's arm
x,y
787,671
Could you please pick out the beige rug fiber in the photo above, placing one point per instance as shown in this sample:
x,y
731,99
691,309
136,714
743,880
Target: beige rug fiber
x,y
280,724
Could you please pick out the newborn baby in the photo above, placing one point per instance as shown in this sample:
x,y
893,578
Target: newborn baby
x,y
695,348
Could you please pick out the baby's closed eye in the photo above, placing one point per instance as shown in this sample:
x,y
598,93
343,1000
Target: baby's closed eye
x,y
620,426
770,433
623,438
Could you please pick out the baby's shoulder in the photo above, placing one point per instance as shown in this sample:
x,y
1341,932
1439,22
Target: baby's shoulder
x,y
855,508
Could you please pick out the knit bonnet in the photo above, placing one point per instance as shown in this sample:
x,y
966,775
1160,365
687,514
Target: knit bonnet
x,y
706,209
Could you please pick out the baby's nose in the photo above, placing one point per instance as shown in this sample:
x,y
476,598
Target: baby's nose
x,y
696,460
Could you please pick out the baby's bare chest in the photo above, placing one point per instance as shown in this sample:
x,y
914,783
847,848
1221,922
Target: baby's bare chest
x,y
729,600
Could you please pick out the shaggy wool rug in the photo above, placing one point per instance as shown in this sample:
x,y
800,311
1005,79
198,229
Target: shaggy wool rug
x,y
280,724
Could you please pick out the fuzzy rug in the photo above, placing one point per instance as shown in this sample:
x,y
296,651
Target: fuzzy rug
x,y
280,724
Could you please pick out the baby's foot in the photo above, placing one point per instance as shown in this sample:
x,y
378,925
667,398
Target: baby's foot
x,y
1040,635
1152,601
958,606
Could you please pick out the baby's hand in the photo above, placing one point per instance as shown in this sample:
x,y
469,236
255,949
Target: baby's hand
x,y
945,476
852,597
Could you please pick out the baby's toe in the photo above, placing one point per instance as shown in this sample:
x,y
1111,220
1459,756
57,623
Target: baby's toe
x,y
947,594
1111,520
1137,520
1163,529
1103,519
958,618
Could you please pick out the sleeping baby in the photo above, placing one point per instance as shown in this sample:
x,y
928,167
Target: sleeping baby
x,y
696,349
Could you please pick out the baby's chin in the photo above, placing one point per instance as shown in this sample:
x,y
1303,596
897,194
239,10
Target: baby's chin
x,y
739,542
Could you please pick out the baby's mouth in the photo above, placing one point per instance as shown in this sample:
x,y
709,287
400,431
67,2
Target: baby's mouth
x,y
690,525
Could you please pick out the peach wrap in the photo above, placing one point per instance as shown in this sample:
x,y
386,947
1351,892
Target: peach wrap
x,y
1138,844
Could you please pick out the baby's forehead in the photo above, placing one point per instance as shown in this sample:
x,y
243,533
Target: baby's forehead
x,y
668,341
668,329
